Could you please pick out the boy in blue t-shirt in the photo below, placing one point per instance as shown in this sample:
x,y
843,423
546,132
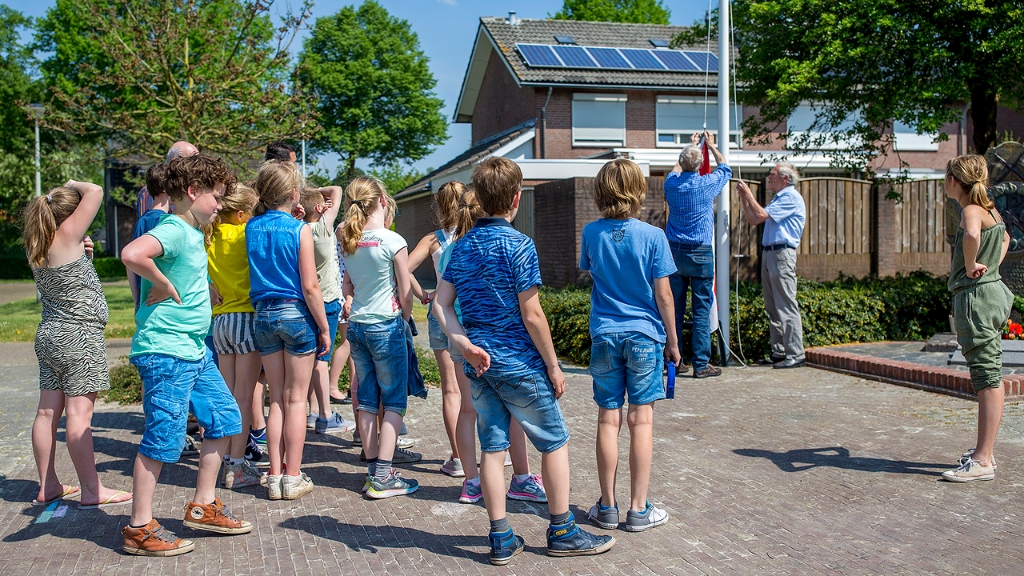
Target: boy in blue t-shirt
x,y
510,360
177,369
632,326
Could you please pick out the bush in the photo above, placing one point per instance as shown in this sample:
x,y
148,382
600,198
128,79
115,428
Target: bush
x,y
125,384
14,267
846,310
109,268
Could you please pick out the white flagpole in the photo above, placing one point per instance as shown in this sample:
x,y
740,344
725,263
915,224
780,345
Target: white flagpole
x,y
722,251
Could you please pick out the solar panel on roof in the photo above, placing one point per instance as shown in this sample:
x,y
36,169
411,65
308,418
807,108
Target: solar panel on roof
x,y
539,55
608,58
703,60
642,59
575,57
674,60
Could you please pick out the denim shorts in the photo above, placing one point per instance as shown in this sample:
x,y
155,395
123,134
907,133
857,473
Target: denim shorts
x,y
529,398
234,333
171,388
285,325
382,364
333,310
626,364
438,339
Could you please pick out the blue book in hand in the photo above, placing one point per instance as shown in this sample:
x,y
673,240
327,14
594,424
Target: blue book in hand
x,y
670,384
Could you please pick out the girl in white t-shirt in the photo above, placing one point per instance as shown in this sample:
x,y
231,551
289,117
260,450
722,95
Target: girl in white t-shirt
x,y
377,279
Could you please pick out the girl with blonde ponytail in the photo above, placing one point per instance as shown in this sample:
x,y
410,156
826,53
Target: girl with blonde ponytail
x,y
981,305
377,279
69,342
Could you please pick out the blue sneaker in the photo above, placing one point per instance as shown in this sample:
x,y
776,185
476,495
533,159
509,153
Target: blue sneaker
x,y
570,540
531,489
504,545
393,485
471,493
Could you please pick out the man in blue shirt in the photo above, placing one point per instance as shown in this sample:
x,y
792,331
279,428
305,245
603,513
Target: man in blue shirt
x,y
691,230
784,220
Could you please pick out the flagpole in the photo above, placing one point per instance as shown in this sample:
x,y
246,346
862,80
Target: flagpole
x,y
722,250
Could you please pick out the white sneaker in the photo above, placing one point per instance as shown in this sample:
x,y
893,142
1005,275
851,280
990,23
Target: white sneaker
x,y
311,421
970,471
649,518
404,443
967,456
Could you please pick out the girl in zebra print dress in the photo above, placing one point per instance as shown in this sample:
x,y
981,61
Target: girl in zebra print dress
x,y
69,342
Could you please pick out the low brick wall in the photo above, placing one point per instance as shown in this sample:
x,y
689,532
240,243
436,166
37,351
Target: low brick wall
x,y
931,378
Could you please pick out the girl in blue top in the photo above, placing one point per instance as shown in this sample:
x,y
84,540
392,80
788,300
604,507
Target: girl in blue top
x,y
291,325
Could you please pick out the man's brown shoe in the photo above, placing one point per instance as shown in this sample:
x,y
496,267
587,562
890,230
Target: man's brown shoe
x,y
214,518
707,372
154,540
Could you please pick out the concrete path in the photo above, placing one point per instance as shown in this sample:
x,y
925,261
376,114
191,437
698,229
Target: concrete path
x,y
762,471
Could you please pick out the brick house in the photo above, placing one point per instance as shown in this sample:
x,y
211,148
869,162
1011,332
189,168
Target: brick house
x,y
563,97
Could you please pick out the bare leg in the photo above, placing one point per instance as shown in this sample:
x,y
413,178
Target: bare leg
x,y
367,422
492,483
465,430
211,456
259,420
247,369
353,389
338,361
144,478
451,398
297,372
79,439
554,468
389,430
990,413
320,383
273,365
641,451
517,448
44,442
609,422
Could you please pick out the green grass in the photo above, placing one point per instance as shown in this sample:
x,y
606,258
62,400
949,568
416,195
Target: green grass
x,y
19,320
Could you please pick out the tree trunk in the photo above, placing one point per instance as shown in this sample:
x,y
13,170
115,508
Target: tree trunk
x,y
983,112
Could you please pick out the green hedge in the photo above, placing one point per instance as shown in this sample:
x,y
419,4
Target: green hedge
x,y
912,307
109,268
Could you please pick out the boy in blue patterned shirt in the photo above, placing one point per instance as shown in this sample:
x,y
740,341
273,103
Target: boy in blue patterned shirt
x,y
510,360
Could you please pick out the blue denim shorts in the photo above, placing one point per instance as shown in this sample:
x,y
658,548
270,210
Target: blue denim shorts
x,y
626,363
285,325
171,388
438,339
333,310
382,364
529,398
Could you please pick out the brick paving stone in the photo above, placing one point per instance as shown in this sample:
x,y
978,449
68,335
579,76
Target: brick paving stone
x,y
762,471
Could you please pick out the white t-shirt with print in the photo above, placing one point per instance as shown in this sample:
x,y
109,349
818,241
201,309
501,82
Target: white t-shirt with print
x,y
372,271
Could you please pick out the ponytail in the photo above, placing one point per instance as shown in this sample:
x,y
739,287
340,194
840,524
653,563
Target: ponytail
x,y
364,195
42,217
971,173
468,212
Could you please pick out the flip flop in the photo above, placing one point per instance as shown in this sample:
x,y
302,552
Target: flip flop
x,y
108,502
68,491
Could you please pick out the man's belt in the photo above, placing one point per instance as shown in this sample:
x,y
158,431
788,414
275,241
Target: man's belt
x,y
771,247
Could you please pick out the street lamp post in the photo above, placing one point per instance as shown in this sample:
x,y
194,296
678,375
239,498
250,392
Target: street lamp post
x,y
37,114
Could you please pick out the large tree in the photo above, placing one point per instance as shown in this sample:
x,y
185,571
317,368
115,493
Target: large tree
x,y
141,74
373,87
633,11
868,63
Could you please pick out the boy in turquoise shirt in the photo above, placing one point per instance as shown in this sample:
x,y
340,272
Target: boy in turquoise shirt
x,y
176,367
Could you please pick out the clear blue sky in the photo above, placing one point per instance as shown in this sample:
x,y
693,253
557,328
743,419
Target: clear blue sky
x,y
446,30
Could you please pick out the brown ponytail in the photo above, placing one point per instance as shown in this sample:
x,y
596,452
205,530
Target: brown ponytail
x,y
469,211
364,195
42,217
971,173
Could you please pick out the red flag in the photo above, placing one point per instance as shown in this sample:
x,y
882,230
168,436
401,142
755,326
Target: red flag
x,y
705,166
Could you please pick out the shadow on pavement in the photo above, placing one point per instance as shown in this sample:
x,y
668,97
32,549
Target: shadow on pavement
x,y
839,457
359,538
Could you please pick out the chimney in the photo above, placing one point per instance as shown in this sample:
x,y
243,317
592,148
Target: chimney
x,y
513,19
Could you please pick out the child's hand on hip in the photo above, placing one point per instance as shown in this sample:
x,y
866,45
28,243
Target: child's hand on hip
x,y
977,270
557,380
159,293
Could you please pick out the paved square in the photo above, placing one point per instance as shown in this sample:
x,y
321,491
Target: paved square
x,y
762,472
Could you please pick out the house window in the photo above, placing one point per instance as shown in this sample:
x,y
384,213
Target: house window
x,y
801,123
906,139
679,118
599,120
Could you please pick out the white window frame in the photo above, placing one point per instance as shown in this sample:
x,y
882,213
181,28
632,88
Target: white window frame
x,y
682,137
906,139
579,139
808,108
